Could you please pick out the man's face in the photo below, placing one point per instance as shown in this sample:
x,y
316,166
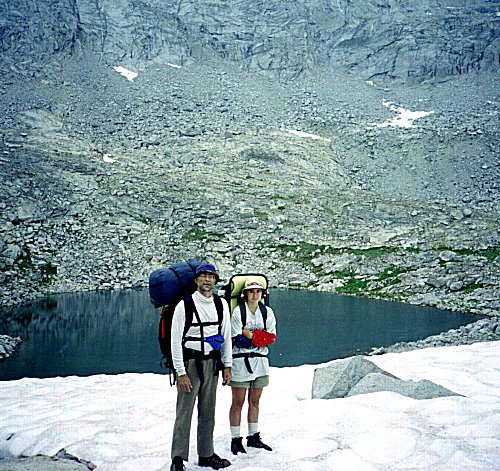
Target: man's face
x,y
205,283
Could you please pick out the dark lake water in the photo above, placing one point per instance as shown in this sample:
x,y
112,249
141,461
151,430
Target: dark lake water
x,y
115,332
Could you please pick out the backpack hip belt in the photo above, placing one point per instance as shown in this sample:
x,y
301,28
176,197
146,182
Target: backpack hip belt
x,y
246,357
192,354
199,357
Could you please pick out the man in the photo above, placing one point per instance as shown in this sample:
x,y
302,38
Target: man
x,y
196,358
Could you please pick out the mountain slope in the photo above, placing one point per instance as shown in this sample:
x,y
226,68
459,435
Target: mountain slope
x,y
311,180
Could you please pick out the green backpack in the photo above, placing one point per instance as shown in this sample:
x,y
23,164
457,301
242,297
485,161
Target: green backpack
x,y
234,288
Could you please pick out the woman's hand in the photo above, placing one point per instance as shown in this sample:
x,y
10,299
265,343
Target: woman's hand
x,y
226,376
247,333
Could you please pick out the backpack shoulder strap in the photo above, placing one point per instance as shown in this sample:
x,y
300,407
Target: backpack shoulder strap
x,y
220,310
243,312
189,309
263,310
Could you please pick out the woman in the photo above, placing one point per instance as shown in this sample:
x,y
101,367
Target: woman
x,y
253,328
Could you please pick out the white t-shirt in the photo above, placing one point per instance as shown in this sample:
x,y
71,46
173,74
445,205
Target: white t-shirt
x,y
259,365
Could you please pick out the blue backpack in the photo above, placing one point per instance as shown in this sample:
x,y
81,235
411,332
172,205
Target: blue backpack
x,y
167,286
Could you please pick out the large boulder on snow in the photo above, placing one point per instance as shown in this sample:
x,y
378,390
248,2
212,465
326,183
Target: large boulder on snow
x,y
357,375
338,377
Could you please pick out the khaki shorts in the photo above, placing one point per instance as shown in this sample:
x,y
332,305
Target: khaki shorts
x,y
257,383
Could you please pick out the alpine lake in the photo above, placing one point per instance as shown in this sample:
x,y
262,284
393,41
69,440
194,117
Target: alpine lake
x,y
114,332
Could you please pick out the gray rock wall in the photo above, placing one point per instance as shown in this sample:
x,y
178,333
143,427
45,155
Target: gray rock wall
x,y
375,40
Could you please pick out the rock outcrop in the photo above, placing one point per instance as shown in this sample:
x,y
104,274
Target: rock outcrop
x,y
483,330
376,40
61,461
357,375
8,345
337,378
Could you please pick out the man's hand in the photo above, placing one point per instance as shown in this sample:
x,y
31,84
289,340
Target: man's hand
x,y
185,383
226,376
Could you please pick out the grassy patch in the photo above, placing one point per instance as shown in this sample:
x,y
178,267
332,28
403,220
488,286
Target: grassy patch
x,y
374,252
392,272
470,288
47,272
343,274
200,234
353,286
491,253
25,262
196,234
260,154
393,281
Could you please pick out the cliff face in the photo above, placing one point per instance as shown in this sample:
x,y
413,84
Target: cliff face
x,y
370,39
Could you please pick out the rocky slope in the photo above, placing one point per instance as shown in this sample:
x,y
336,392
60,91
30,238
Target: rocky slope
x,y
105,179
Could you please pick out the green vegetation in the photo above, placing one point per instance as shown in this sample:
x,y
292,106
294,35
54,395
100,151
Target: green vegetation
x,y
375,284
260,154
353,286
374,252
313,249
343,274
47,272
200,234
25,262
302,252
195,234
470,288
490,253
392,272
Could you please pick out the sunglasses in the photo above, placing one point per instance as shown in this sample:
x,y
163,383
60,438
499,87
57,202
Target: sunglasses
x,y
207,275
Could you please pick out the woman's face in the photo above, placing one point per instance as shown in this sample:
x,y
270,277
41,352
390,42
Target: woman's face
x,y
254,294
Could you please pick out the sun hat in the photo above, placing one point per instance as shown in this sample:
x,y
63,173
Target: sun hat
x,y
252,284
206,268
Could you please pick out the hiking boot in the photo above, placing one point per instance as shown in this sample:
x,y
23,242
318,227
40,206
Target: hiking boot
x,y
237,446
255,442
214,462
177,464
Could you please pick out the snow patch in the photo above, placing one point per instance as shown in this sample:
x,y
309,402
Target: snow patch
x,y
305,135
404,118
128,74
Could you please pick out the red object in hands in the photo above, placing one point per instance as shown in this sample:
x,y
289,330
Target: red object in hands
x,y
261,338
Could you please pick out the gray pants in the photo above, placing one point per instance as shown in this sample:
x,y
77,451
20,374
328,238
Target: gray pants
x,y
205,391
